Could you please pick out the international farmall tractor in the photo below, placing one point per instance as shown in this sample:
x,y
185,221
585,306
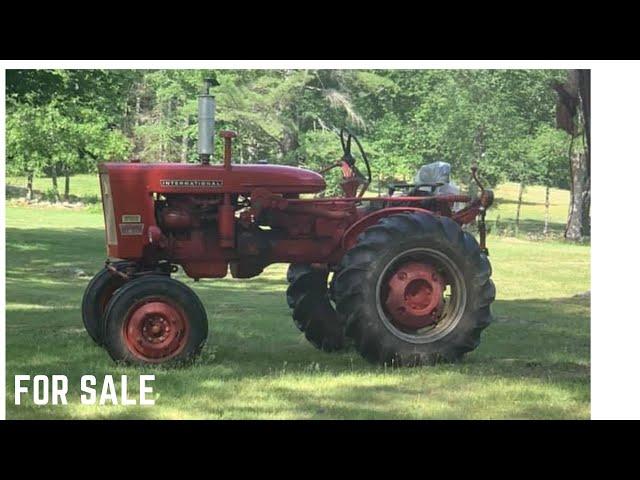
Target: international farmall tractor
x,y
395,276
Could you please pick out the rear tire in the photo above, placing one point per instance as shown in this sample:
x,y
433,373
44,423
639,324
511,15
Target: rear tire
x,y
155,320
312,311
95,299
388,250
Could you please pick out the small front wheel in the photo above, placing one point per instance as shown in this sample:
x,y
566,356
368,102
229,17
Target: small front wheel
x,y
96,297
155,320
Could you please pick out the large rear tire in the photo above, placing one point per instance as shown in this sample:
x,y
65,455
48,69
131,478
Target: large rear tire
x,y
154,320
312,310
415,290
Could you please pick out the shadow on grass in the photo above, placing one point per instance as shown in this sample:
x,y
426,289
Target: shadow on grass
x,y
527,227
533,361
504,201
17,192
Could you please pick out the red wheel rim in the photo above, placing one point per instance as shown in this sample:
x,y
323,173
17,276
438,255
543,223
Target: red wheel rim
x,y
156,329
414,295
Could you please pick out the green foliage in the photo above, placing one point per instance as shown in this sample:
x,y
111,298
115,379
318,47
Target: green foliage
x,y
465,116
65,123
319,149
546,157
501,119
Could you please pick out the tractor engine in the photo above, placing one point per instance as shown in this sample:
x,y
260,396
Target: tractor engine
x,y
267,228
180,213
190,224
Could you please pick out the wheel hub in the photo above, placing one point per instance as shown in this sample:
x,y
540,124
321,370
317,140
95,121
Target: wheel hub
x,y
156,329
415,295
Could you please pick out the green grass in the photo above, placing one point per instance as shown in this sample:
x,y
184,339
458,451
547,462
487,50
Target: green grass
x,y
501,216
83,187
534,360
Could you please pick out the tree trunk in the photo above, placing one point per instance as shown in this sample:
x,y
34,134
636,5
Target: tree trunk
x,y
520,193
573,114
54,182
545,230
29,195
580,199
586,206
185,141
251,152
66,185
137,148
584,87
288,145
585,102
138,110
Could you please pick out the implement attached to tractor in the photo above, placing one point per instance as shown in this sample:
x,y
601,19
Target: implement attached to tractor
x,y
396,275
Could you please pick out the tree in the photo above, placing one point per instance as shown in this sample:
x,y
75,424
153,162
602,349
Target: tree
x,y
573,115
25,146
405,118
61,122
466,116
166,111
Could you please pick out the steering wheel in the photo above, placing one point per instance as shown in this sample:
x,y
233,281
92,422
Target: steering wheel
x,y
345,139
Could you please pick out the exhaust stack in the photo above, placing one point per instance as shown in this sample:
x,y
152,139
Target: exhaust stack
x,y
206,121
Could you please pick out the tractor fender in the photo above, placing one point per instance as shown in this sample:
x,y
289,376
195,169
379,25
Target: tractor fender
x,y
351,234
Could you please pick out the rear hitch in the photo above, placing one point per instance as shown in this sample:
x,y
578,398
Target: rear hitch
x,y
482,232
486,199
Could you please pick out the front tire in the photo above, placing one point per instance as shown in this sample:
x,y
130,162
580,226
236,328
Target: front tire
x,y
96,297
415,290
155,320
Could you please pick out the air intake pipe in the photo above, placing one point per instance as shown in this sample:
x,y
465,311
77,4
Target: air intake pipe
x,y
206,121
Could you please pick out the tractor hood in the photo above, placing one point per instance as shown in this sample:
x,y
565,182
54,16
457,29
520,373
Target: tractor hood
x,y
197,178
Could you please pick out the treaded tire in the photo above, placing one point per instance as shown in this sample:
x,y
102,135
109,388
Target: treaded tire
x,y
95,299
356,289
312,311
150,288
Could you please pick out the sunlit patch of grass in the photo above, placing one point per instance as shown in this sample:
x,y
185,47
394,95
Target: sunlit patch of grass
x,y
84,186
501,216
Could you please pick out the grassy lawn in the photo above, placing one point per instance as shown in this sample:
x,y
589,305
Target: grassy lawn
x,y
533,361
83,187
501,216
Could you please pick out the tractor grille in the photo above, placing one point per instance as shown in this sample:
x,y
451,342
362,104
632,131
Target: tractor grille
x,y
107,207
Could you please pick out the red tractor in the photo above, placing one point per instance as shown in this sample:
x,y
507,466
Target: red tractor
x,y
396,276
